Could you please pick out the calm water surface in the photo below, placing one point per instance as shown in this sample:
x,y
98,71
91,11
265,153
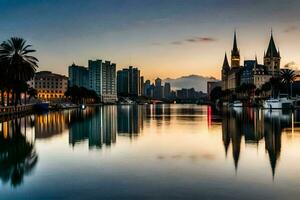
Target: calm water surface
x,y
151,152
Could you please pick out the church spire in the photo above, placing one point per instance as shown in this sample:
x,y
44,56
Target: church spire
x,y
272,50
225,62
235,53
235,49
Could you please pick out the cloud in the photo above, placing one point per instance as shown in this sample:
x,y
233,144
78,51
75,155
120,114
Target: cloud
x,y
195,40
291,29
291,65
201,39
155,44
176,43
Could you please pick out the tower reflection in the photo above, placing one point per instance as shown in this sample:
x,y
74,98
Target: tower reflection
x,y
255,125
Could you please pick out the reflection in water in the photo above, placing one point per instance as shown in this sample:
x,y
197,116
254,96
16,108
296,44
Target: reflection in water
x,y
98,125
17,155
177,145
48,125
130,120
255,125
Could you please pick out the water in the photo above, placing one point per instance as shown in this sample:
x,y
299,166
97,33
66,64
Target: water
x,y
151,152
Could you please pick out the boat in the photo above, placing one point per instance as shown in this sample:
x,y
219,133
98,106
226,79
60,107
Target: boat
x,y
42,106
296,104
236,104
278,103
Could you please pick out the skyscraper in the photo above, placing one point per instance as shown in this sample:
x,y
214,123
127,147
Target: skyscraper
x,y
134,81
123,82
78,76
129,82
95,68
167,90
148,89
142,90
102,79
158,89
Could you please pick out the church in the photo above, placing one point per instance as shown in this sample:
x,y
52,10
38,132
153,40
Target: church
x,y
235,74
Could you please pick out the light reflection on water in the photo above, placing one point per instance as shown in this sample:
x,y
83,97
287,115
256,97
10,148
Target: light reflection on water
x,y
152,151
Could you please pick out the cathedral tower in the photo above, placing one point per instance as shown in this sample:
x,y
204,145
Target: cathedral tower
x,y
272,58
235,53
225,71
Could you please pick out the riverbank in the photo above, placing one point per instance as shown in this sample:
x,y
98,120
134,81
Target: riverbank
x,y
13,110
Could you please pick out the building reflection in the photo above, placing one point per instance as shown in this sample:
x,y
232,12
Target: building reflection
x,y
130,120
255,125
50,124
17,153
97,125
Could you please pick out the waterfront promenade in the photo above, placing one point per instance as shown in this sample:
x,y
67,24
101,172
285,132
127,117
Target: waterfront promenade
x,y
19,109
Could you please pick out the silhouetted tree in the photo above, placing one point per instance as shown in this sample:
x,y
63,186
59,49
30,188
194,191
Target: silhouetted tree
x,y
287,78
81,94
32,93
216,94
17,66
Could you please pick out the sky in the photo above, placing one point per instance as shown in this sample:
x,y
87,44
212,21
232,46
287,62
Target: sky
x,y
164,38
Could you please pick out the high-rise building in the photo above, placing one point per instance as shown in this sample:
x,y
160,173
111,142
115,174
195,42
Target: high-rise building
x,y
129,82
95,68
167,90
102,79
158,89
142,93
147,89
134,81
78,76
157,82
123,82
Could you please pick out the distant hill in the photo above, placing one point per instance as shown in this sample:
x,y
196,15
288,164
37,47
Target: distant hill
x,y
199,83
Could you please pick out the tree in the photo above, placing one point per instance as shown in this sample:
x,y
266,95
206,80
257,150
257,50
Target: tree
x,y
216,93
275,83
32,93
81,94
17,64
258,92
287,78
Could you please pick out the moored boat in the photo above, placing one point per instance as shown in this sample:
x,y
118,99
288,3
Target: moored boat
x,y
278,103
43,106
236,104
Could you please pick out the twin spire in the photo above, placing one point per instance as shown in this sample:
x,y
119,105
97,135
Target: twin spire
x,y
235,51
271,51
225,62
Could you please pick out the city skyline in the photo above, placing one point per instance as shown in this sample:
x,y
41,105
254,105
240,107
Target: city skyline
x,y
192,35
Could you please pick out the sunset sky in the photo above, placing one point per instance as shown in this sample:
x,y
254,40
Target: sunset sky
x,y
165,38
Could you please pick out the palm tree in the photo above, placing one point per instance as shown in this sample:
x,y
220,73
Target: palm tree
x,y
275,86
19,65
3,80
32,93
287,78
